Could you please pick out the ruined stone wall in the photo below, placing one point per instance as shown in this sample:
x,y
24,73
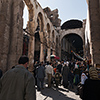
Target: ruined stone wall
x,y
84,26
4,32
94,18
11,32
53,16
78,31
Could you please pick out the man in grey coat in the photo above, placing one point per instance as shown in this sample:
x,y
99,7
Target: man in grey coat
x,y
18,83
40,76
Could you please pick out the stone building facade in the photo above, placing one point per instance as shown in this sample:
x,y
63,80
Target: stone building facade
x,y
70,30
47,23
92,32
11,32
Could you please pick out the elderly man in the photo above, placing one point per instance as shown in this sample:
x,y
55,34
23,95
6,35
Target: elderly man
x,y
18,83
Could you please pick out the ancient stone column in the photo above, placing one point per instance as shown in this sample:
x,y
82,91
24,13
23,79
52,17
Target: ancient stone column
x,y
41,53
4,33
59,52
94,17
48,54
11,32
31,52
16,34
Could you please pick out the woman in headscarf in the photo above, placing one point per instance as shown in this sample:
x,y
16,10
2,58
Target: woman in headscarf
x,y
91,88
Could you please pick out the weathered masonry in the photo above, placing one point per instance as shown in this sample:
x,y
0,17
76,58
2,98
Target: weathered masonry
x,y
43,24
11,32
92,32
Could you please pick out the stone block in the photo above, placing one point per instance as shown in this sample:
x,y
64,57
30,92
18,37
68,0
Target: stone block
x,y
3,62
96,58
20,43
9,14
18,10
2,28
6,40
12,61
2,17
17,2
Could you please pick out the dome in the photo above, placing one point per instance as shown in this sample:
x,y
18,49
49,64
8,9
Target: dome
x,y
72,24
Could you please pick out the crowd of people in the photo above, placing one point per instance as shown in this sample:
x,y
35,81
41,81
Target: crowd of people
x,y
19,84
70,74
66,73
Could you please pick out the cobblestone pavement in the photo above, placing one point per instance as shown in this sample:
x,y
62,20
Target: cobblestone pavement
x,y
57,94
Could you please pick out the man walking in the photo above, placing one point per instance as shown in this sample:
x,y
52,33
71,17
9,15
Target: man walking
x,y
49,72
40,73
18,83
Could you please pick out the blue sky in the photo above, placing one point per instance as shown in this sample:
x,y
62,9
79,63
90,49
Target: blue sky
x,y
67,9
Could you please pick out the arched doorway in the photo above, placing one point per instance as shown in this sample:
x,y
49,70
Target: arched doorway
x,y
37,43
71,42
38,53
48,33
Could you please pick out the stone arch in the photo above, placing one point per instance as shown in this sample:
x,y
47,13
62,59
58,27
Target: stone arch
x,y
30,9
37,47
40,38
41,24
28,29
11,31
78,31
74,42
31,25
12,11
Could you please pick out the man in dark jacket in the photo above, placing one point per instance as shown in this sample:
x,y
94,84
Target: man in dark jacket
x,y
40,74
18,83
65,72
59,67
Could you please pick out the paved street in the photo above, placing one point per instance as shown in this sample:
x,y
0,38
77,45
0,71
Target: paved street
x,y
56,94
